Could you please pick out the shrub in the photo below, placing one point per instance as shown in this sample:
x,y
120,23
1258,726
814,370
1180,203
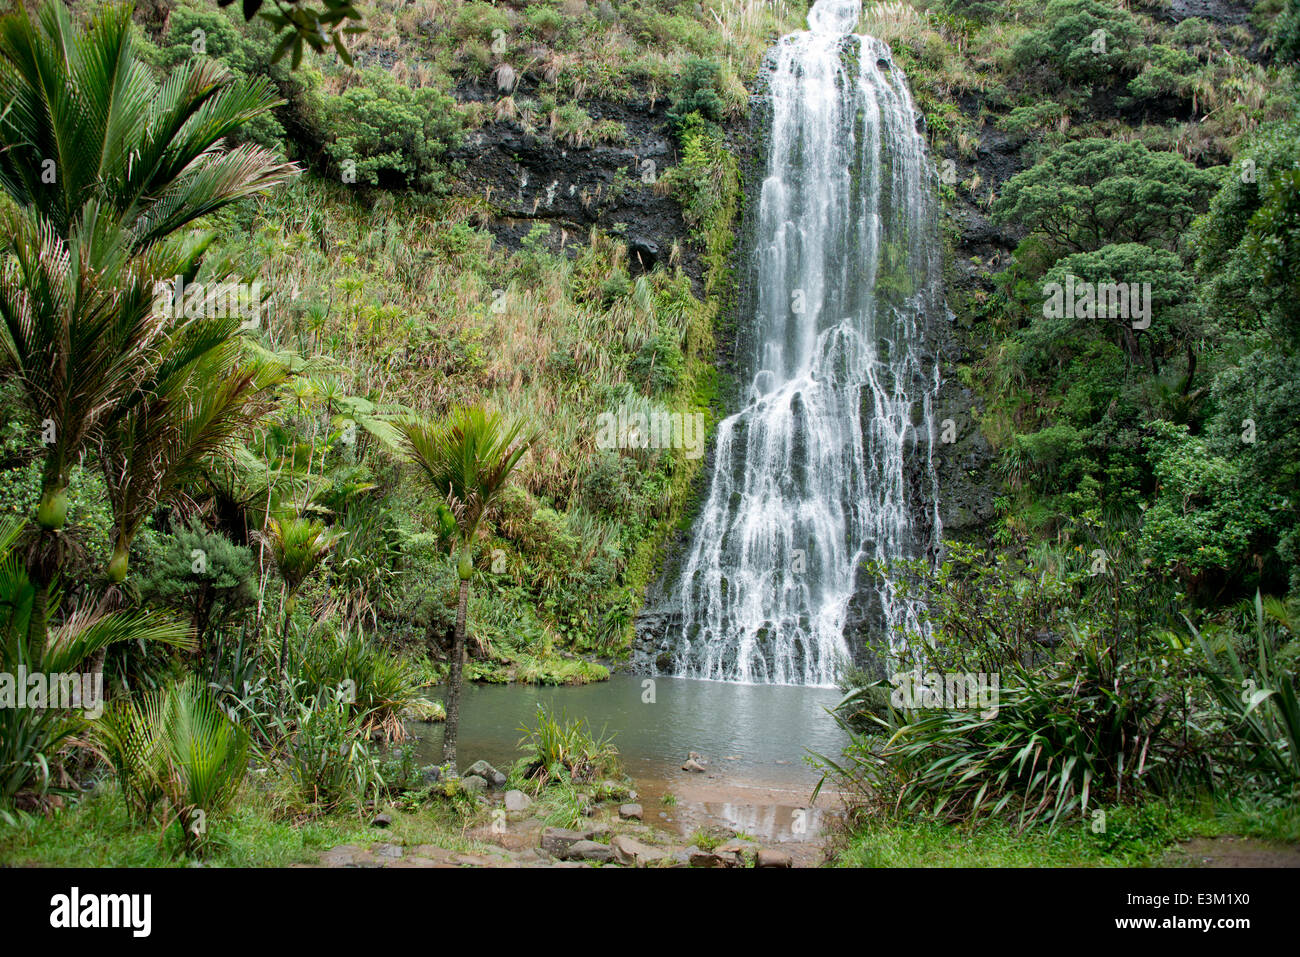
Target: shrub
x,y
1210,517
178,748
1166,72
246,50
390,135
544,21
1258,700
560,749
1083,39
32,739
478,21
697,91
658,365
376,685
200,573
707,183
1061,738
1286,34
320,747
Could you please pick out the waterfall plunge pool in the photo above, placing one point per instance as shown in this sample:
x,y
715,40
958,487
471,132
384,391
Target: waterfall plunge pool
x,y
755,739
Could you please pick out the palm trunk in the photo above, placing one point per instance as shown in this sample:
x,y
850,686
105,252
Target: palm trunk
x,y
284,656
51,516
284,653
38,626
454,678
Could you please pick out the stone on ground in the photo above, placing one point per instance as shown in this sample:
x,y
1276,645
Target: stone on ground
x,y
517,801
557,840
489,774
770,857
630,851
702,858
589,851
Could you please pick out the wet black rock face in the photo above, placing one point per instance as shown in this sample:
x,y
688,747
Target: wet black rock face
x,y
1216,11
530,176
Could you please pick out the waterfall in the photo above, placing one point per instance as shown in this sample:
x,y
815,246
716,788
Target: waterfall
x,y
827,465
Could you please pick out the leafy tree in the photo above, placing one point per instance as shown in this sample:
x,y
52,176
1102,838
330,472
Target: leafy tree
x,y
1093,192
201,573
318,27
389,134
190,410
467,461
1247,245
246,52
980,10
1210,517
1273,244
1083,39
1248,242
1255,427
1174,320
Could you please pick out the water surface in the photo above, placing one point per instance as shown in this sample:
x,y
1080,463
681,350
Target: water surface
x,y
755,736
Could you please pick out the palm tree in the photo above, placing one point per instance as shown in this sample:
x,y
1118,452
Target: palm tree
x,y
104,166
87,121
176,745
468,461
298,546
31,737
191,411
76,348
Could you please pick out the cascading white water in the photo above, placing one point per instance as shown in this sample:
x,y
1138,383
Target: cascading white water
x,y
811,478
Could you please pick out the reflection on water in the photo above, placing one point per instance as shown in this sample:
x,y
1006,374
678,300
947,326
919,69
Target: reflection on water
x,y
771,822
754,735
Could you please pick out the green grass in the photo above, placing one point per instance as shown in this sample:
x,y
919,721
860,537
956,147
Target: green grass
x,y
97,833
1134,837
1260,819
706,841
927,844
561,804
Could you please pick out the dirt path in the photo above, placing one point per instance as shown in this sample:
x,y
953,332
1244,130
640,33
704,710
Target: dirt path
x,y
1228,851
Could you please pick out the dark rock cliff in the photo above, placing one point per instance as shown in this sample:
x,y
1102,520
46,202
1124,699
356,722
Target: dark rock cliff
x,y
530,177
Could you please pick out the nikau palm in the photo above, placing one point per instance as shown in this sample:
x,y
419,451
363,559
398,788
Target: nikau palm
x,y
192,411
105,165
30,738
298,545
468,461
88,122
175,746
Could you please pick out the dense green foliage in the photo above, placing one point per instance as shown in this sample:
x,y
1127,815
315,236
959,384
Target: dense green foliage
x,y
277,532
1146,454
